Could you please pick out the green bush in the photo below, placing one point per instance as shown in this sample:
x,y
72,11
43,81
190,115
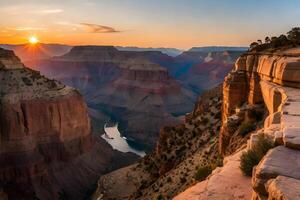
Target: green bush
x,y
245,128
203,172
252,157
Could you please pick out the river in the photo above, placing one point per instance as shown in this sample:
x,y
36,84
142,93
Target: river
x,y
114,138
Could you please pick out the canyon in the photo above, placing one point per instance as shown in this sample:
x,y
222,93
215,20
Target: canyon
x,y
262,90
47,147
141,90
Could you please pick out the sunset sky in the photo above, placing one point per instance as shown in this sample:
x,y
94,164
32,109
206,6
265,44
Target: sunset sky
x,y
146,23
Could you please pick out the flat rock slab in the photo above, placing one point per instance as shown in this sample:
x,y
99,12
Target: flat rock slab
x,y
291,138
284,188
226,183
278,161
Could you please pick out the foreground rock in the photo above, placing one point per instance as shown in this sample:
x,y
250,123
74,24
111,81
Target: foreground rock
x,y
225,183
284,188
47,150
274,78
279,161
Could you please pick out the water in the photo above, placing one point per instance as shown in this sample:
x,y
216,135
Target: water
x,y
114,138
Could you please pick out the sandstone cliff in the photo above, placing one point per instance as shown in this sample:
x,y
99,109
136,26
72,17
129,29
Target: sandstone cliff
x,y
272,80
47,150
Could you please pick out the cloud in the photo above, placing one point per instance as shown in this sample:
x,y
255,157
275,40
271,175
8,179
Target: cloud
x,y
50,11
28,29
96,28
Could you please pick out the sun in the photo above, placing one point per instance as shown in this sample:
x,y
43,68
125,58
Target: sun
x,y
33,40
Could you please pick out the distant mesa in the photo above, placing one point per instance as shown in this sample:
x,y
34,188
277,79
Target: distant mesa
x,y
217,49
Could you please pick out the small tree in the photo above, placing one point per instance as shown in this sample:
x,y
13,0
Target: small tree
x,y
294,35
267,40
259,42
253,45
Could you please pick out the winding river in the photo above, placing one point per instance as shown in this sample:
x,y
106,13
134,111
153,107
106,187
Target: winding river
x,y
114,138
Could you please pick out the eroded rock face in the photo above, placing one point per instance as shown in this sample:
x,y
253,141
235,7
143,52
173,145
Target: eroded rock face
x,y
260,75
46,142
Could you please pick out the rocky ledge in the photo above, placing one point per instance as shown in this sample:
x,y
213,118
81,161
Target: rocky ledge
x,y
273,79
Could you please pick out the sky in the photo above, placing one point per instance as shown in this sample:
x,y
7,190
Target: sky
x,y
146,23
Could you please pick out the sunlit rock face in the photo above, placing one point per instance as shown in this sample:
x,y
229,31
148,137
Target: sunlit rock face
x,y
245,84
44,128
271,79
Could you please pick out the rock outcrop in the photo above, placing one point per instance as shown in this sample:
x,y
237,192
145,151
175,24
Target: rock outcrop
x,y
272,80
276,80
46,142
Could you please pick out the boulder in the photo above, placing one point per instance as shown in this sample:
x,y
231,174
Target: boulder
x,y
278,161
283,188
291,138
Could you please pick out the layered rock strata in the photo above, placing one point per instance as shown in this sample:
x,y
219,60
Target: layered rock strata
x,y
277,79
46,142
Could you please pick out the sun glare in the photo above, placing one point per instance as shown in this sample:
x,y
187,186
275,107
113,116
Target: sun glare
x,y
33,40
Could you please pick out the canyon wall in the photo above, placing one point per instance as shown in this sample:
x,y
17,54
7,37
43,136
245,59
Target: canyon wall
x,y
271,80
47,150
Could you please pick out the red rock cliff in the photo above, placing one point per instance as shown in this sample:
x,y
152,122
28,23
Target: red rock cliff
x,y
46,147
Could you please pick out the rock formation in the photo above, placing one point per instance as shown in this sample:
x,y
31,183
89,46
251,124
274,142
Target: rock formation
x,y
272,80
47,150
125,87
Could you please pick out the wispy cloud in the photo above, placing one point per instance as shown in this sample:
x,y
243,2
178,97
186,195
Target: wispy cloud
x,y
28,28
50,11
96,28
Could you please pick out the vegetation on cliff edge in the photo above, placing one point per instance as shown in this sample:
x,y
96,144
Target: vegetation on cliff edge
x,y
292,38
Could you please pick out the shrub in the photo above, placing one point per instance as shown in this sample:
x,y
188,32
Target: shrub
x,y
160,197
257,115
204,121
253,156
245,128
183,180
203,172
